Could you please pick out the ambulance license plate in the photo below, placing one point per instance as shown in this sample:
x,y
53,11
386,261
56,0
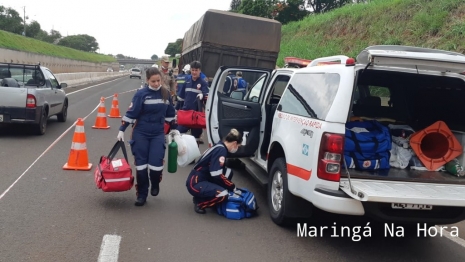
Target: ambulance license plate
x,y
411,206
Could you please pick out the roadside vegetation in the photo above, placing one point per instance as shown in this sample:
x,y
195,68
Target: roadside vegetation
x,y
347,30
17,42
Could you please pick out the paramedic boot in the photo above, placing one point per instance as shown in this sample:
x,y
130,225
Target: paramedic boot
x,y
155,178
142,187
199,210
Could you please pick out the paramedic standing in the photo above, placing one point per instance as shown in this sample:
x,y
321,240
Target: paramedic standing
x,y
195,88
168,79
150,109
209,182
180,82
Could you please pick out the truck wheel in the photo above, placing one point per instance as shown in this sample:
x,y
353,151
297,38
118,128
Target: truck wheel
x,y
40,128
64,112
278,192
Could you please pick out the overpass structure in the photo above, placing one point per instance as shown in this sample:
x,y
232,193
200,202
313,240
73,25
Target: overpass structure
x,y
137,61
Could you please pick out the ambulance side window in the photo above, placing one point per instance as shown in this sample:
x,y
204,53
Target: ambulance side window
x,y
310,94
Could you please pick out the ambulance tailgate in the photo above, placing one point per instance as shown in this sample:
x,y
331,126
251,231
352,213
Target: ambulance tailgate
x,y
405,192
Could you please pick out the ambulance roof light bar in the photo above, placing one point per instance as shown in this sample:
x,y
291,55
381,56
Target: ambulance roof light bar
x,y
344,60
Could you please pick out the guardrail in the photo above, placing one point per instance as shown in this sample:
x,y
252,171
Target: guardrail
x,y
75,79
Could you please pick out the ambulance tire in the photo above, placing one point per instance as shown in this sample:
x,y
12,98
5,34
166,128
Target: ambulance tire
x,y
278,193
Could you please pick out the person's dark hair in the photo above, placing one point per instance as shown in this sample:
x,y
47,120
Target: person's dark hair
x,y
233,135
196,65
165,93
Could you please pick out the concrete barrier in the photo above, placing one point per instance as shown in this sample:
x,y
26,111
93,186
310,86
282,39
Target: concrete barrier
x,y
75,79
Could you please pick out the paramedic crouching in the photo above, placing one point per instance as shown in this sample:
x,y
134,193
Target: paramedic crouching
x,y
209,182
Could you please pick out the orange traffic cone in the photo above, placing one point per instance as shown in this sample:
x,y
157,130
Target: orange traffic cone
x,y
101,120
78,158
114,112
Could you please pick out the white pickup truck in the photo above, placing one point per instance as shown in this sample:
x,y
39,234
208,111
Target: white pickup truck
x,y
296,125
30,94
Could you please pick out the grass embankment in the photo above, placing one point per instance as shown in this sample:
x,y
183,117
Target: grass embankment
x,y
346,31
20,43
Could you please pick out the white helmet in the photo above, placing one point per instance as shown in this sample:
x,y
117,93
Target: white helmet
x,y
155,65
186,68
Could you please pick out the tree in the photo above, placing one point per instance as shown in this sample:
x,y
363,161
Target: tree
x,y
261,8
174,48
235,5
10,20
52,38
33,29
154,57
321,6
291,10
85,43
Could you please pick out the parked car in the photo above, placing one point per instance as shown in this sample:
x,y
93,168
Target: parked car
x,y
30,94
135,72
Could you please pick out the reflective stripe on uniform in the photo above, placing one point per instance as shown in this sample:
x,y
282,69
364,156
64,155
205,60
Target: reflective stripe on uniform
x,y
141,167
153,101
169,119
180,99
193,90
228,173
78,146
155,168
216,173
129,120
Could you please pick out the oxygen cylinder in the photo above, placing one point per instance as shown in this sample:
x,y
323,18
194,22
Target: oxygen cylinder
x,y
172,157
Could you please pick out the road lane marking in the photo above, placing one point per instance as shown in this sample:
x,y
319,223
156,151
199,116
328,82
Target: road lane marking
x,y
109,250
74,92
53,143
448,235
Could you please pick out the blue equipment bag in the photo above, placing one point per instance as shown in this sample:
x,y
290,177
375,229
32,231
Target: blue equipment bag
x,y
238,206
367,161
376,140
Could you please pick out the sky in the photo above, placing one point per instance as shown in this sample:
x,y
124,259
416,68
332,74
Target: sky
x,y
139,28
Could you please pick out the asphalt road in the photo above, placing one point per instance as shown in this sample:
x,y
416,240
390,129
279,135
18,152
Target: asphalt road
x,y
51,214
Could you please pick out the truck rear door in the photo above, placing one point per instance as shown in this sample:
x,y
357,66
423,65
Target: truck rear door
x,y
236,111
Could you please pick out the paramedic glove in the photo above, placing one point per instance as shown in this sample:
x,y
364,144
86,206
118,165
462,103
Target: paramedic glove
x,y
237,191
200,96
120,136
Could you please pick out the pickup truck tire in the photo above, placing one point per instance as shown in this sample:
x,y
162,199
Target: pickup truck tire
x,y
64,112
278,192
39,129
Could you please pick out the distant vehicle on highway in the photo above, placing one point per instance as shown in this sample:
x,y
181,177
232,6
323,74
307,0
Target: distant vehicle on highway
x,y
135,72
110,69
30,94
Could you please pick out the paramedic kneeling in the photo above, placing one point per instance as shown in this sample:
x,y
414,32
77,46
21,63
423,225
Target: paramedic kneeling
x,y
210,181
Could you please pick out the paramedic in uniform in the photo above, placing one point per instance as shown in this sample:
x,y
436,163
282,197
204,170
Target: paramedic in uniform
x,y
168,79
150,109
180,82
209,182
194,88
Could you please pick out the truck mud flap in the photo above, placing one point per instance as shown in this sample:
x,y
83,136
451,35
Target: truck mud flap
x,y
399,193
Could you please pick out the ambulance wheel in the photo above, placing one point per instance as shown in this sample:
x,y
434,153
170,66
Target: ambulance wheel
x,y
278,192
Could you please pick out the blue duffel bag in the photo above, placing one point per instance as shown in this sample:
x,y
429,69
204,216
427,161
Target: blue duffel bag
x,y
376,140
367,161
238,206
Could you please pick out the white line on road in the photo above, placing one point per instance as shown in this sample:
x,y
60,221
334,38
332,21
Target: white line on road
x,y
447,234
109,250
70,93
53,143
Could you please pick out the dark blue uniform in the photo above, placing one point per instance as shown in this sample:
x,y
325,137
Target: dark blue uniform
x,y
148,113
228,85
181,82
241,86
210,181
191,90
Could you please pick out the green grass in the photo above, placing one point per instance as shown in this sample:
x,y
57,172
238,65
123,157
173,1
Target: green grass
x,y
21,43
346,31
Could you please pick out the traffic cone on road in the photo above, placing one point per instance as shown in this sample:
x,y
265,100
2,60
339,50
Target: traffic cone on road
x,y
78,157
101,120
114,112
